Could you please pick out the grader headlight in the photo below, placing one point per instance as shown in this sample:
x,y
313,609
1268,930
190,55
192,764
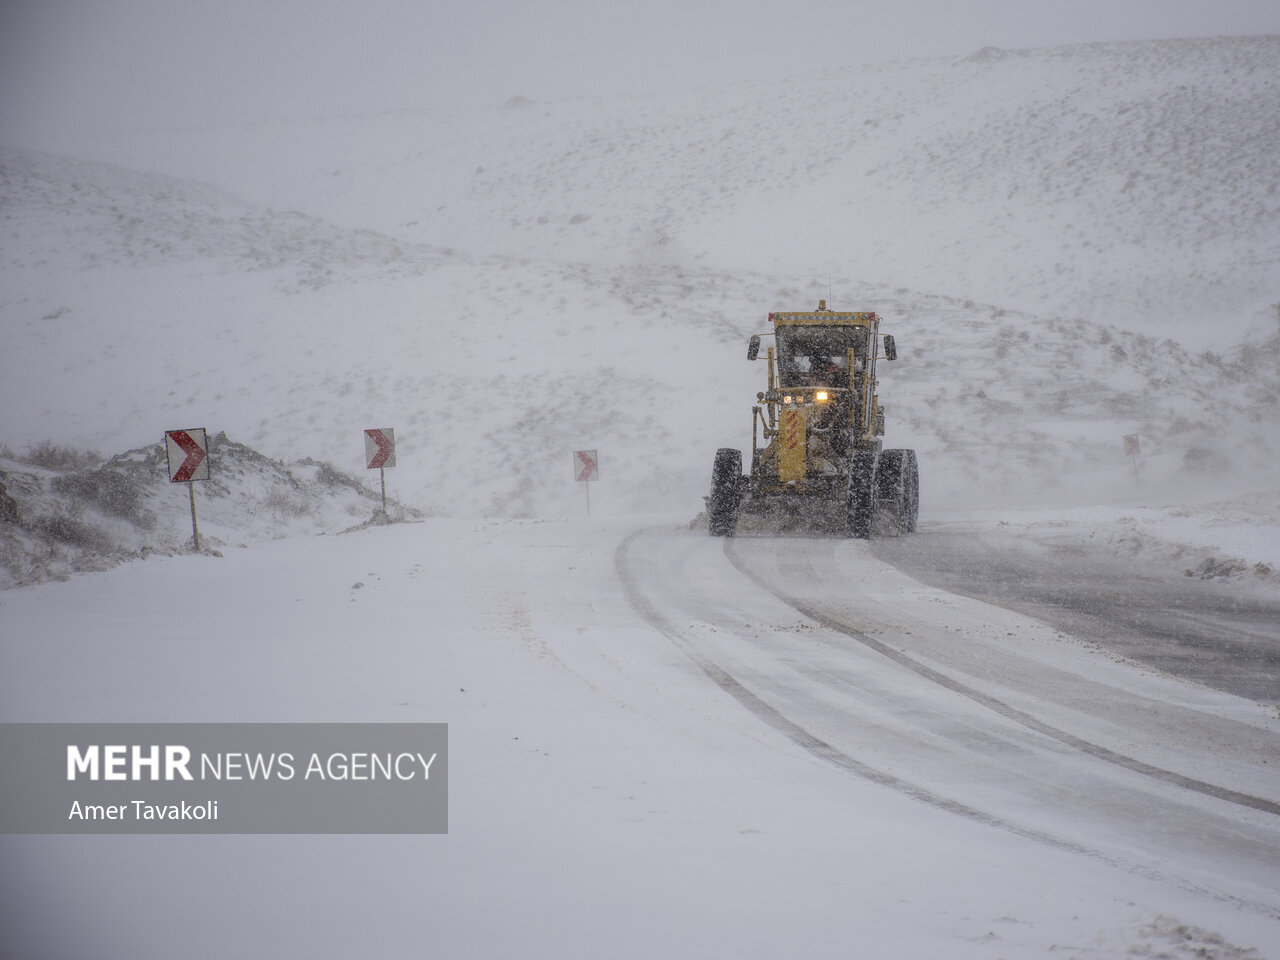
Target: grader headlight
x,y
820,396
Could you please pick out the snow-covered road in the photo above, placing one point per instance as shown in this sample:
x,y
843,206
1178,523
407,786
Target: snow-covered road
x,y
1222,632
660,743
972,708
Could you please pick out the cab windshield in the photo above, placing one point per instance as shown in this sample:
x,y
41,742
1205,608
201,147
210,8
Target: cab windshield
x,y
818,356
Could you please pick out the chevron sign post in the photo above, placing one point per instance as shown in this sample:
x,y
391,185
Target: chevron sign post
x,y
188,452
586,467
380,453
1133,447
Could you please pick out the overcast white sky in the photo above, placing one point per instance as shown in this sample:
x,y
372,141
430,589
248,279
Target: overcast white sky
x,y
116,65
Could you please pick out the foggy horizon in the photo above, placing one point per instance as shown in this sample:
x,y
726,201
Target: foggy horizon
x,y
142,65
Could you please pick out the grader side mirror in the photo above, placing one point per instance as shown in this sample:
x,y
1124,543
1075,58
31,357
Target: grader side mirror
x,y
753,348
890,350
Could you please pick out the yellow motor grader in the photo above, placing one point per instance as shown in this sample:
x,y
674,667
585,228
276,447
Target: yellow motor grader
x,y
816,454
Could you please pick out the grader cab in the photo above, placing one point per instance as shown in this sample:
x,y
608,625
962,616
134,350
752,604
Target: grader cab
x,y
816,454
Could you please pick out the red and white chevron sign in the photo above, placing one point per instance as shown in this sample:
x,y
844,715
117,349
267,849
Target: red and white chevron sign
x,y
586,465
380,448
188,452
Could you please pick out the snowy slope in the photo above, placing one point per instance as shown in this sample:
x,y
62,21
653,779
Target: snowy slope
x,y
1134,181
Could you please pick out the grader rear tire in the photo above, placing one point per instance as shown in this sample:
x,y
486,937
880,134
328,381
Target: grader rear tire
x,y
722,505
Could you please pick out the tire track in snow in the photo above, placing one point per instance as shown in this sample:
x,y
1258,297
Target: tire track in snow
x,y
825,751
999,706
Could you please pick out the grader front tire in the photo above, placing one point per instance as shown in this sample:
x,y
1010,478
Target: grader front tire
x,y
911,487
898,488
861,494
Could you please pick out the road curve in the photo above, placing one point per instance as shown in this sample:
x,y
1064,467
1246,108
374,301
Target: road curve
x,y
971,708
1222,634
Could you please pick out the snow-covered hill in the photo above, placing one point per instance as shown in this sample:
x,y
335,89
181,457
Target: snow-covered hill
x,y
1070,245
68,513
1138,181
